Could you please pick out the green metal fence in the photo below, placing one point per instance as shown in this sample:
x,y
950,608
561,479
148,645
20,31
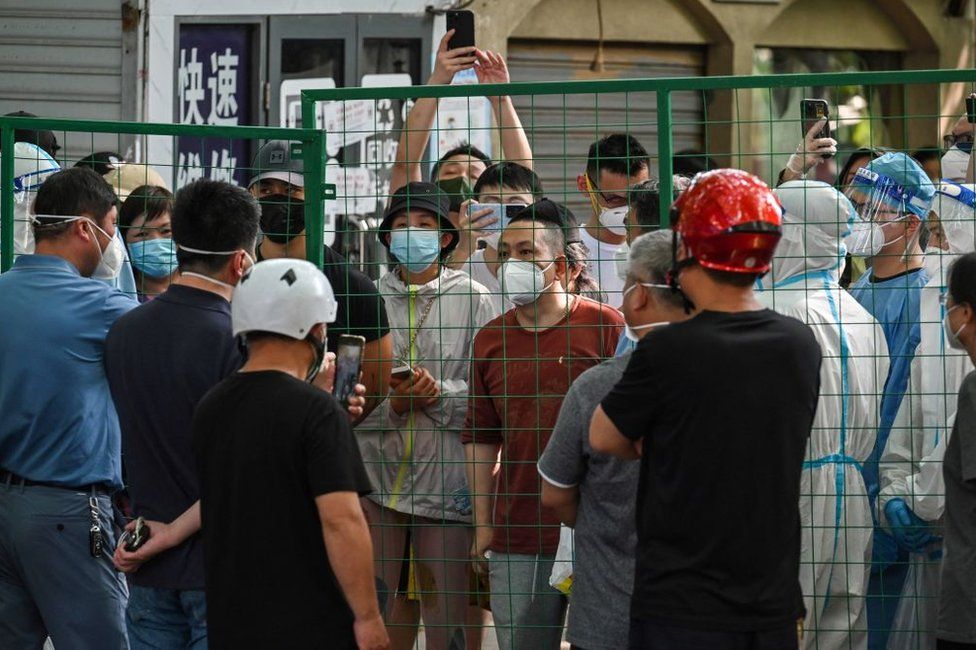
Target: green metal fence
x,y
310,148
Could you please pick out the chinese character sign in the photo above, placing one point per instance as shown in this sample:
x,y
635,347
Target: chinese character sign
x,y
213,87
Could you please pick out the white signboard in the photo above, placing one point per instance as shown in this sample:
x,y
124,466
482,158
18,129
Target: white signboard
x,y
290,100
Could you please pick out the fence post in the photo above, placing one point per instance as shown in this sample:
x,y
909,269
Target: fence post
x,y
664,153
313,153
6,196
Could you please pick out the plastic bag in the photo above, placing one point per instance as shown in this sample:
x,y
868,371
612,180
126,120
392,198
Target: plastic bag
x,y
916,618
561,577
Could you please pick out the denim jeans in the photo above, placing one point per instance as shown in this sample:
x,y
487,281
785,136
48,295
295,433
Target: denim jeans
x,y
528,612
166,618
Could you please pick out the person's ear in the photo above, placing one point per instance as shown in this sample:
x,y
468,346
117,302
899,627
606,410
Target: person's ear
x,y
581,183
445,240
912,224
84,230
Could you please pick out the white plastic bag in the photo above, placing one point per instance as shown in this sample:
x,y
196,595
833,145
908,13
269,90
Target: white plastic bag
x,y
915,621
561,577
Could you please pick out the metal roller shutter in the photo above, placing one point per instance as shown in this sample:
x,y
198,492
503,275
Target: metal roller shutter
x,y
63,58
562,127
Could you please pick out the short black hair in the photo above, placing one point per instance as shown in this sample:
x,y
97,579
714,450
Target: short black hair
x,y
512,176
101,161
150,200
69,193
617,153
282,217
927,153
43,138
463,148
962,280
689,162
213,216
733,278
645,201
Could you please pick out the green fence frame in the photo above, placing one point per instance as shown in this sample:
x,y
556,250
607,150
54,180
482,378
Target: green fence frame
x,y
663,87
312,150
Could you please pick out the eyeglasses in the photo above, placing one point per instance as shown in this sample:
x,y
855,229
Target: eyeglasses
x,y
612,200
951,139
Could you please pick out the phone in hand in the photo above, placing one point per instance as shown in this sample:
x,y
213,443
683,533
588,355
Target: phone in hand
x,y
503,213
462,22
811,112
349,364
402,373
137,536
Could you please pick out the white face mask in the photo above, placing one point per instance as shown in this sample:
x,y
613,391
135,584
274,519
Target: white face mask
x,y
207,277
630,331
522,281
952,338
614,219
955,163
110,262
621,261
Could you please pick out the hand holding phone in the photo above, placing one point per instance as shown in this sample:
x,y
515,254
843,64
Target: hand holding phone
x,y
349,360
813,111
137,536
417,392
462,22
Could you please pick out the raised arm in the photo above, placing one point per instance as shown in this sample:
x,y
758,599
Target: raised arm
x,y
420,120
491,68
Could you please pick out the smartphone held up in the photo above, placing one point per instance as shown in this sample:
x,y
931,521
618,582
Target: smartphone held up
x,y
813,111
349,365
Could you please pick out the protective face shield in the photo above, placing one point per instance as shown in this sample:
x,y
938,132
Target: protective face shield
x,y
956,207
155,258
415,248
880,201
522,282
955,162
32,166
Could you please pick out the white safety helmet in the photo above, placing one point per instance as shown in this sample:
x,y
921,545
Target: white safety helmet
x,y
284,296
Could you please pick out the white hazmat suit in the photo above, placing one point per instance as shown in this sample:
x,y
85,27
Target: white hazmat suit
x,y
911,466
835,511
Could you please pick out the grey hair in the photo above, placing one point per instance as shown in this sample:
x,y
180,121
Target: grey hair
x,y
651,259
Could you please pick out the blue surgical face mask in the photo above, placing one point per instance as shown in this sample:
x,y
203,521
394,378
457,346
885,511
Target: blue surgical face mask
x,y
154,257
415,248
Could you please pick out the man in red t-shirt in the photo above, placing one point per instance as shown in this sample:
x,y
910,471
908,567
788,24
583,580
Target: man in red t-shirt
x,y
522,365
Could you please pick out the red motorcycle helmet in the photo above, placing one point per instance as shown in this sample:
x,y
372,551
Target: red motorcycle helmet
x,y
729,220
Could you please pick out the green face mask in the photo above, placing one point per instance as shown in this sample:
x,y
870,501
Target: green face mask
x,y
458,190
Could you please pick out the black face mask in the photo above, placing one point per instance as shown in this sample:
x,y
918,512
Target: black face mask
x,y
319,348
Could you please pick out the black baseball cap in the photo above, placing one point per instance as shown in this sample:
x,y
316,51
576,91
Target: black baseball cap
x,y
42,138
274,161
548,211
421,196
102,162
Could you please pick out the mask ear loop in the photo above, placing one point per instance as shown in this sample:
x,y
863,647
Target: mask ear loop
x,y
676,266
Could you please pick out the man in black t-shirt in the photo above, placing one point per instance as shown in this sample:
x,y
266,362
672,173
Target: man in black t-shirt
x,y
287,551
279,185
719,409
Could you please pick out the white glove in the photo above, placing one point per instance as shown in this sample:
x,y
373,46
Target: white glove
x,y
812,150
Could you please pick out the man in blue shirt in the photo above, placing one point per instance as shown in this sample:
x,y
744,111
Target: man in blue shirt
x,y
59,434
892,196
161,359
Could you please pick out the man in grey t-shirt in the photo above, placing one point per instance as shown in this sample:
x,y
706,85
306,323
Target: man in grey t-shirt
x,y
594,493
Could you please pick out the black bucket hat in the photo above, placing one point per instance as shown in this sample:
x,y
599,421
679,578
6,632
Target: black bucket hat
x,y
421,196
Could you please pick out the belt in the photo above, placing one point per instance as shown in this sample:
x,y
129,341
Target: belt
x,y
9,478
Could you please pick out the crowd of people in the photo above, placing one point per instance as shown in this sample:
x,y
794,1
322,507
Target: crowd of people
x,y
741,431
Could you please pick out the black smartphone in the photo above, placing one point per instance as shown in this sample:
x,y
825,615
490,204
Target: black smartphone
x,y
971,109
811,112
349,363
462,22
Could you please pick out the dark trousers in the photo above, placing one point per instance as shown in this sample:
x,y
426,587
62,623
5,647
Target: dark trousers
x,y
649,635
